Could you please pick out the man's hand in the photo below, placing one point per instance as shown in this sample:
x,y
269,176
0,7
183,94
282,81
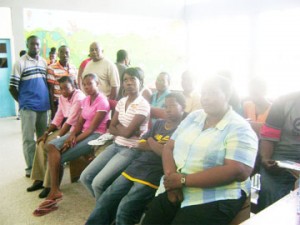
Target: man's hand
x,y
271,166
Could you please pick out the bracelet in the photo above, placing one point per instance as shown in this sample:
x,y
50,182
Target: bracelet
x,y
57,136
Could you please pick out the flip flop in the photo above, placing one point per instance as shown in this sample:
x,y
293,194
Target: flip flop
x,y
49,202
44,211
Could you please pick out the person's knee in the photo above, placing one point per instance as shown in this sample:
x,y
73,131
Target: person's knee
x,y
84,178
97,186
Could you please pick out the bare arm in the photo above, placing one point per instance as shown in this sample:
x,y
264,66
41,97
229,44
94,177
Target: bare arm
x,y
216,176
118,129
14,92
79,77
151,145
266,152
167,158
100,115
113,93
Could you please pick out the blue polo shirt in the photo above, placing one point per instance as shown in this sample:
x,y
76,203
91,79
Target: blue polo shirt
x,y
29,77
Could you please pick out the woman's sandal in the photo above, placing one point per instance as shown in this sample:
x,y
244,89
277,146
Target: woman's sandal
x,y
50,202
44,211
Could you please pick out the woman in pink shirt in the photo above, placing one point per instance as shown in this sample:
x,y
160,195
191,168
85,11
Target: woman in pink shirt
x,y
64,121
90,125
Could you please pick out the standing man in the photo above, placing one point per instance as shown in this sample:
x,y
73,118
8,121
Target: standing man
x,y
122,61
122,64
28,86
56,71
107,72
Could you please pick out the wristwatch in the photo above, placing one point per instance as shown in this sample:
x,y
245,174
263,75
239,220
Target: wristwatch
x,y
183,179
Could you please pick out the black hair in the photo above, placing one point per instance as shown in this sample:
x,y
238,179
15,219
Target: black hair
x,y
92,75
167,75
22,52
52,50
31,37
121,55
66,79
135,72
62,46
178,97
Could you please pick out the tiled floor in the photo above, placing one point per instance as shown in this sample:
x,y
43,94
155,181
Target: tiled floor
x,y
16,204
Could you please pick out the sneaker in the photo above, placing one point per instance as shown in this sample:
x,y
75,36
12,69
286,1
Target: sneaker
x,y
102,139
107,137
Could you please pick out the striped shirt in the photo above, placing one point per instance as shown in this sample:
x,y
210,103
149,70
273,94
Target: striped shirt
x,y
56,71
197,150
29,77
139,106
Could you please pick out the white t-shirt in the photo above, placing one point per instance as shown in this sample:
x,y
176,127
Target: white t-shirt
x,y
139,106
107,72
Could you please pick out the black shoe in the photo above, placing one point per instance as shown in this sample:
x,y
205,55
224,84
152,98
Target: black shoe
x,y
44,193
35,186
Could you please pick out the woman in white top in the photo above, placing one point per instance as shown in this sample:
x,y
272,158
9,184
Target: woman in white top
x,y
129,122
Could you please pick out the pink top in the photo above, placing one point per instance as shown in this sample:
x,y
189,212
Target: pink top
x,y
89,111
84,62
139,106
69,109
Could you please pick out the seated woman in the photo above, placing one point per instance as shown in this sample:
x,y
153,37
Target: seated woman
x,y
207,163
90,125
129,121
145,92
65,119
257,107
157,103
128,195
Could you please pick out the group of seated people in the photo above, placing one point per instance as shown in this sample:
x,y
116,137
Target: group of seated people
x,y
196,154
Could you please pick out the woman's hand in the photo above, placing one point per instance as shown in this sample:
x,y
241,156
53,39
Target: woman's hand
x,y
172,181
175,196
69,143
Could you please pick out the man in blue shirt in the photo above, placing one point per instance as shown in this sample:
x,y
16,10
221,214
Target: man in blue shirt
x,y
29,88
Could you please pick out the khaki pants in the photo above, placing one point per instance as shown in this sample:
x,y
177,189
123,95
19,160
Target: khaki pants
x,y
39,168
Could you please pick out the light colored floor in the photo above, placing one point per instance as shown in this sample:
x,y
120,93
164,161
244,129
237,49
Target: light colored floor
x,y
16,203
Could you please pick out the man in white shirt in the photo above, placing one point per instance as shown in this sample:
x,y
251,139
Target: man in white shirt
x,y
107,72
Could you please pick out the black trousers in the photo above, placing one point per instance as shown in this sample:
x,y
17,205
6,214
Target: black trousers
x,y
162,211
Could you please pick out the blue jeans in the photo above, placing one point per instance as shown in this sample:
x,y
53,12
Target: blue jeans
x,y
124,199
31,122
106,167
81,148
274,187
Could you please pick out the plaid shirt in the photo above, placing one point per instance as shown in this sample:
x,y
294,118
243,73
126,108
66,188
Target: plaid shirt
x,y
197,150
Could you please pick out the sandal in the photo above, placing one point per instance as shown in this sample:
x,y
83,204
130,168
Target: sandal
x,y
50,202
44,211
